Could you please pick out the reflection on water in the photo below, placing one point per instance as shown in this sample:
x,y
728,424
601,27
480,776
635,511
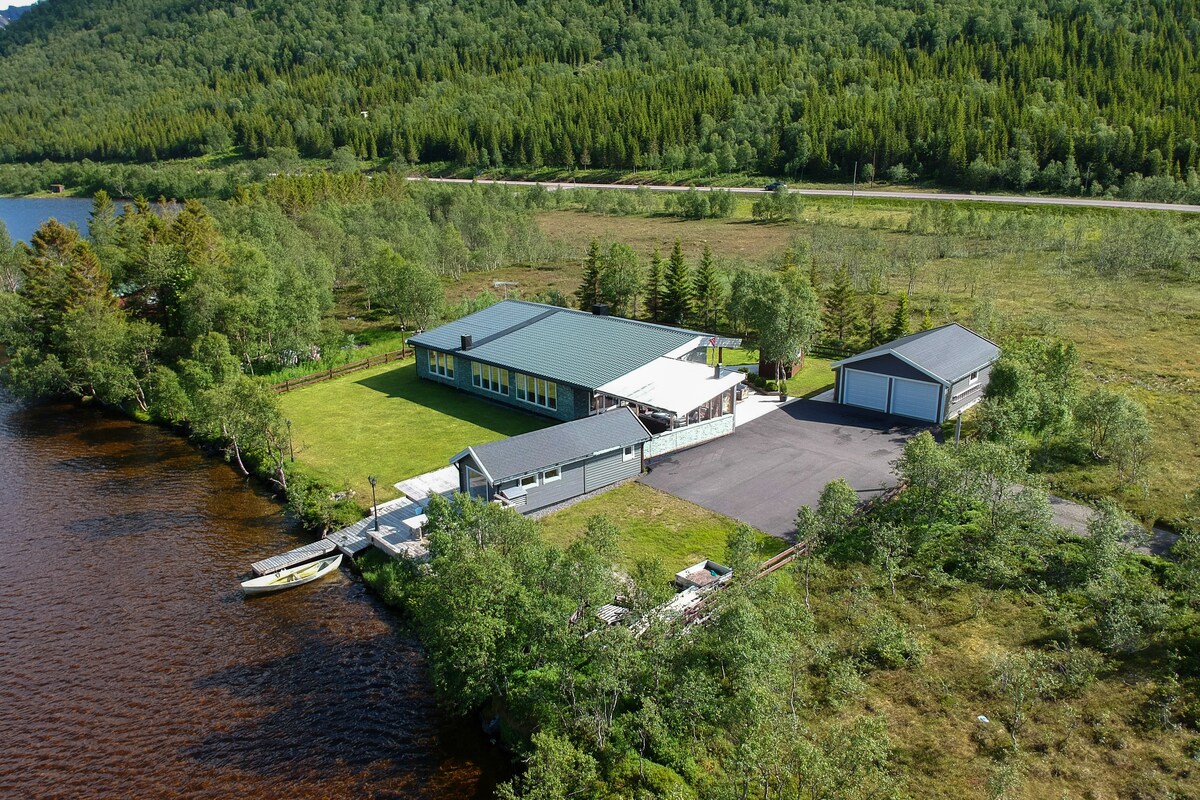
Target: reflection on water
x,y
130,664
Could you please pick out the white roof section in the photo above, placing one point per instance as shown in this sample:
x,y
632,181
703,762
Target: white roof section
x,y
670,385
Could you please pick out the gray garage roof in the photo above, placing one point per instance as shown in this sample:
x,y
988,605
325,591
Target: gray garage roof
x,y
559,444
560,344
947,353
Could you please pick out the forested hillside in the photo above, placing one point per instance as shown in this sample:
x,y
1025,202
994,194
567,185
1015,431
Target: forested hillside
x,y
1068,97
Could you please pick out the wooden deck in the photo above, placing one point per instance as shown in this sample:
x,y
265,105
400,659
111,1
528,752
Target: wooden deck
x,y
291,558
351,541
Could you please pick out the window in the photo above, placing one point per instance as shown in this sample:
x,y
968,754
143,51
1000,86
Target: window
x,y
441,364
974,378
551,475
528,481
537,391
629,453
488,377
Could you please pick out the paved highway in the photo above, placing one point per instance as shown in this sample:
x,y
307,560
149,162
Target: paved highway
x,y
1011,199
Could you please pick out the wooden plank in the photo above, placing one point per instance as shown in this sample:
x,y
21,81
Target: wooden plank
x,y
291,558
351,542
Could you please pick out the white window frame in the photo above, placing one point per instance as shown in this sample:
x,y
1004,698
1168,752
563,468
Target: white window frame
x,y
629,453
551,475
528,481
489,378
537,391
441,364
974,378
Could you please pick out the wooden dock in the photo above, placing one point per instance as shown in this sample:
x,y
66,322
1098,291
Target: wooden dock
x,y
351,541
291,558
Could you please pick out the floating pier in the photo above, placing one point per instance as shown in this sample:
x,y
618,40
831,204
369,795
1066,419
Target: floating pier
x,y
292,558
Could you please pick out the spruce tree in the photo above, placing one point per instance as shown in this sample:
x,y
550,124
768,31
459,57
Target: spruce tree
x,y
654,287
872,308
710,293
927,321
901,324
588,292
677,291
841,311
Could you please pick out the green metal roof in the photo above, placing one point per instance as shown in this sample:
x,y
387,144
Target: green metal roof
x,y
559,344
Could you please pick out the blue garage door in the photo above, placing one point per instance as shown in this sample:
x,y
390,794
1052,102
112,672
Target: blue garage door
x,y
864,389
916,399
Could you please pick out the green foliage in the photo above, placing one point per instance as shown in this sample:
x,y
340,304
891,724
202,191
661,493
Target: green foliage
x,y
1115,428
588,292
707,89
655,287
901,319
677,294
709,293
841,310
777,206
779,307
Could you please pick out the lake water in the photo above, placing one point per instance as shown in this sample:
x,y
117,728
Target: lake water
x,y
23,215
131,665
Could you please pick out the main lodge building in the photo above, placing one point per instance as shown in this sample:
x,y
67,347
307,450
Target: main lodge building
x,y
569,365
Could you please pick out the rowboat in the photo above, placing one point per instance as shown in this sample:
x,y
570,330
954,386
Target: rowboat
x,y
293,576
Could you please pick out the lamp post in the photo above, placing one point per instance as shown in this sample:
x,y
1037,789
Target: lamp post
x,y
372,481
291,450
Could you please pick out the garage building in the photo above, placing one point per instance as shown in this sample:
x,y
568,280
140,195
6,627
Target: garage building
x,y
930,375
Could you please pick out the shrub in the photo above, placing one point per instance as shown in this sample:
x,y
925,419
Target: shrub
x,y
888,643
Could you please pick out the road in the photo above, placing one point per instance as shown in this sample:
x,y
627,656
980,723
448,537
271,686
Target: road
x,y
1009,199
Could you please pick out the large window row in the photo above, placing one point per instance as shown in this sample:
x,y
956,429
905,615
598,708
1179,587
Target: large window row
x,y
441,364
537,391
485,376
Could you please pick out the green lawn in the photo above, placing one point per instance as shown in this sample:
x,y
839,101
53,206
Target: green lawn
x,y
814,378
387,422
653,525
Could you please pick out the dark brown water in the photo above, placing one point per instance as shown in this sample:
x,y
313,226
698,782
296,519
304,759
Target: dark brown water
x,y
131,666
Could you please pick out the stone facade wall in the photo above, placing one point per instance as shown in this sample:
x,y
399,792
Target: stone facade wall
x,y
680,438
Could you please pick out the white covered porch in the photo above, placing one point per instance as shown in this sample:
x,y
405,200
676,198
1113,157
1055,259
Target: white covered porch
x,y
681,403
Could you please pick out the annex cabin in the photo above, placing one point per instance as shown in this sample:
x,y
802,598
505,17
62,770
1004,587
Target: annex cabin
x,y
541,468
930,375
571,365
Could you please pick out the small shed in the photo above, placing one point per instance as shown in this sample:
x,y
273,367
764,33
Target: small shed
x,y
539,469
931,375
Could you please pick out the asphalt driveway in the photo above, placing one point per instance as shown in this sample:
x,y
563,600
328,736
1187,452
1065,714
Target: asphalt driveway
x,y
764,471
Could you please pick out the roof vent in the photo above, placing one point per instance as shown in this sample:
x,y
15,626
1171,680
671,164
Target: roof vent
x,y
466,341
600,309
716,370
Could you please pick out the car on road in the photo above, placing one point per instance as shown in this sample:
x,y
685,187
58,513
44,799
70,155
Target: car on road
x,y
775,186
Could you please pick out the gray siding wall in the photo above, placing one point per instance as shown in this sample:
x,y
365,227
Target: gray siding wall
x,y
570,485
611,467
973,393
889,365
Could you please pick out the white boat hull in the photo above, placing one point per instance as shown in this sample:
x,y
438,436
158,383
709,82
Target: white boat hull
x,y
292,576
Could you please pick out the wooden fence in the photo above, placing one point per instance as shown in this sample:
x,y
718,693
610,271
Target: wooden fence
x,y
334,372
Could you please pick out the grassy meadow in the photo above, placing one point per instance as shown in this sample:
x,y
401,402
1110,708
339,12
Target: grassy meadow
x,y
386,422
654,526
1002,271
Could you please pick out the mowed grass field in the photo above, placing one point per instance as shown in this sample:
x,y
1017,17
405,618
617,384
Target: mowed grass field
x,y
387,422
1137,335
654,526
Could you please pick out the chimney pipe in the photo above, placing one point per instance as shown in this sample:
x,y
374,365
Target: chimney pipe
x,y
717,370
600,309
466,341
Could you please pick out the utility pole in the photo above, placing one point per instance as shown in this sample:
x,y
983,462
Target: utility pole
x,y
854,184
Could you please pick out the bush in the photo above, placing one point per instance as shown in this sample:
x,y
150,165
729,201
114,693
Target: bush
x,y
888,643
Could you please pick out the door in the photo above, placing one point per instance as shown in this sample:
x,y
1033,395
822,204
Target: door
x,y
916,399
864,389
